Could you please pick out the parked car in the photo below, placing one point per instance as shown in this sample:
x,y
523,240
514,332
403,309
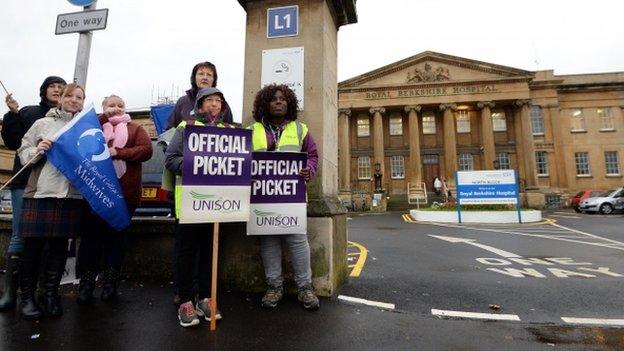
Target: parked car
x,y
606,203
154,199
582,195
5,201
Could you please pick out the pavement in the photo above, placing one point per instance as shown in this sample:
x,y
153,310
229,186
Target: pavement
x,y
402,274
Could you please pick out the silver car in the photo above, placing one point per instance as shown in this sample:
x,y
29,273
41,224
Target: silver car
x,y
5,201
606,203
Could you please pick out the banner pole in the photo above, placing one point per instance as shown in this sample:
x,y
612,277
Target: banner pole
x,y
213,293
21,170
3,87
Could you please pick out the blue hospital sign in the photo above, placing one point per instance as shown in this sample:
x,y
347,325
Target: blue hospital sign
x,y
283,21
487,187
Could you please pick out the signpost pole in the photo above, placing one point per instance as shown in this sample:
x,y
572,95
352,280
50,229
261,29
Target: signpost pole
x,y
458,204
83,53
518,197
215,270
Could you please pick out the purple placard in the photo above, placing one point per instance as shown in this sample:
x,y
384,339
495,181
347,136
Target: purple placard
x,y
269,186
216,156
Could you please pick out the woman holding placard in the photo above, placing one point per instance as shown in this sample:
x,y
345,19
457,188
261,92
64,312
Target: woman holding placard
x,y
194,239
277,129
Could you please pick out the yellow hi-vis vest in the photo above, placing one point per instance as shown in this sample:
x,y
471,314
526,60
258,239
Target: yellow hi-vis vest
x,y
178,181
291,139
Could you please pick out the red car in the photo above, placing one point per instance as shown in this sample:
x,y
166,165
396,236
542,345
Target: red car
x,y
582,195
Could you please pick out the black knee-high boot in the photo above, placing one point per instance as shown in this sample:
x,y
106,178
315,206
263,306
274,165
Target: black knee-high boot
x,y
11,279
109,286
29,273
55,267
86,287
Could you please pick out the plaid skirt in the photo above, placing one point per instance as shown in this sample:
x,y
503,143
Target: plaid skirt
x,y
52,217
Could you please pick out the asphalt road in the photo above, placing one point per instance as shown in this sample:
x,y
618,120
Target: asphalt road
x,y
405,266
570,267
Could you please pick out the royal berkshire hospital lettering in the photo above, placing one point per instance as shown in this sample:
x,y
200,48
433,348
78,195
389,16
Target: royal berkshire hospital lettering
x,y
403,93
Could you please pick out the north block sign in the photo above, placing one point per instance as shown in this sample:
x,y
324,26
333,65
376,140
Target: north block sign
x,y
283,21
85,21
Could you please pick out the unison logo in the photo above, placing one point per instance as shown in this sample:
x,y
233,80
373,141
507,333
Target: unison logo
x,y
275,219
207,202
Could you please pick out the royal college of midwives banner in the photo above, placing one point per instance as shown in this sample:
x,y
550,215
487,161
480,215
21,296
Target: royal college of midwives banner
x,y
216,175
278,194
79,152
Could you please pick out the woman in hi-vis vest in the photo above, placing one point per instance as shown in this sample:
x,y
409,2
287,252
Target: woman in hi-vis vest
x,y
277,129
194,239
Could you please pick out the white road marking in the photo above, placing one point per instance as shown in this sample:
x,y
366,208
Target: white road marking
x,y
475,315
472,242
594,321
588,234
618,245
564,216
357,300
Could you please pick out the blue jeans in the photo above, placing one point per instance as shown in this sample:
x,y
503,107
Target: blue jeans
x,y
271,252
16,244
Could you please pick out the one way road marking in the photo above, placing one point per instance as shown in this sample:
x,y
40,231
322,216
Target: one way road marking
x,y
473,242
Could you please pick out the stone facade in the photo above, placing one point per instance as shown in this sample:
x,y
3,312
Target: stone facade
x,y
433,114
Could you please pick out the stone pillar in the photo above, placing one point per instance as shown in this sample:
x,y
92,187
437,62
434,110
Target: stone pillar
x,y
487,135
527,142
519,146
378,140
415,164
344,151
559,157
450,143
318,23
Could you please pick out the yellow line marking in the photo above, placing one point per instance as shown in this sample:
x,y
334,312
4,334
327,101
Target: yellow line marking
x,y
407,218
359,265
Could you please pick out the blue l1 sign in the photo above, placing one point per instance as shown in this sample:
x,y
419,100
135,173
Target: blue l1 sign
x,y
83,3
283,21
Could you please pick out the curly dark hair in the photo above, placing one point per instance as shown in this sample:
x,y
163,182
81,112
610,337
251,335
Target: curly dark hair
x,y
266,94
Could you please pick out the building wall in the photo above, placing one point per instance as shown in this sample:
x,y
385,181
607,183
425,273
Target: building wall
x,y
466,84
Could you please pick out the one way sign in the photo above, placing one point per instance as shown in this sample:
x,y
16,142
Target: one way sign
x,y
78,22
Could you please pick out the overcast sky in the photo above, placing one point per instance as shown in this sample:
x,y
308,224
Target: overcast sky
x,y
151,46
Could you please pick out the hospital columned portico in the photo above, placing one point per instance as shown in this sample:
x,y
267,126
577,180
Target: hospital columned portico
x,y
432,114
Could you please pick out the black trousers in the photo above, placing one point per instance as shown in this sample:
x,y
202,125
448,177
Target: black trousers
x,y
100,242
194,244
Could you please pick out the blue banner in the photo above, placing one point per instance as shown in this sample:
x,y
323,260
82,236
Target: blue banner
x,y
160,114
79,151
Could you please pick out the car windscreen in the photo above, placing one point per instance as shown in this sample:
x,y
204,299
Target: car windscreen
x,y
595,194
608,193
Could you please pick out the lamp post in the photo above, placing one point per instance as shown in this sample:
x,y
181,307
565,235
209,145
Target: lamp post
x,y
378,177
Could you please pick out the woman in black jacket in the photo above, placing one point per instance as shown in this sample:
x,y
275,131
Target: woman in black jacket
x,y
15,124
